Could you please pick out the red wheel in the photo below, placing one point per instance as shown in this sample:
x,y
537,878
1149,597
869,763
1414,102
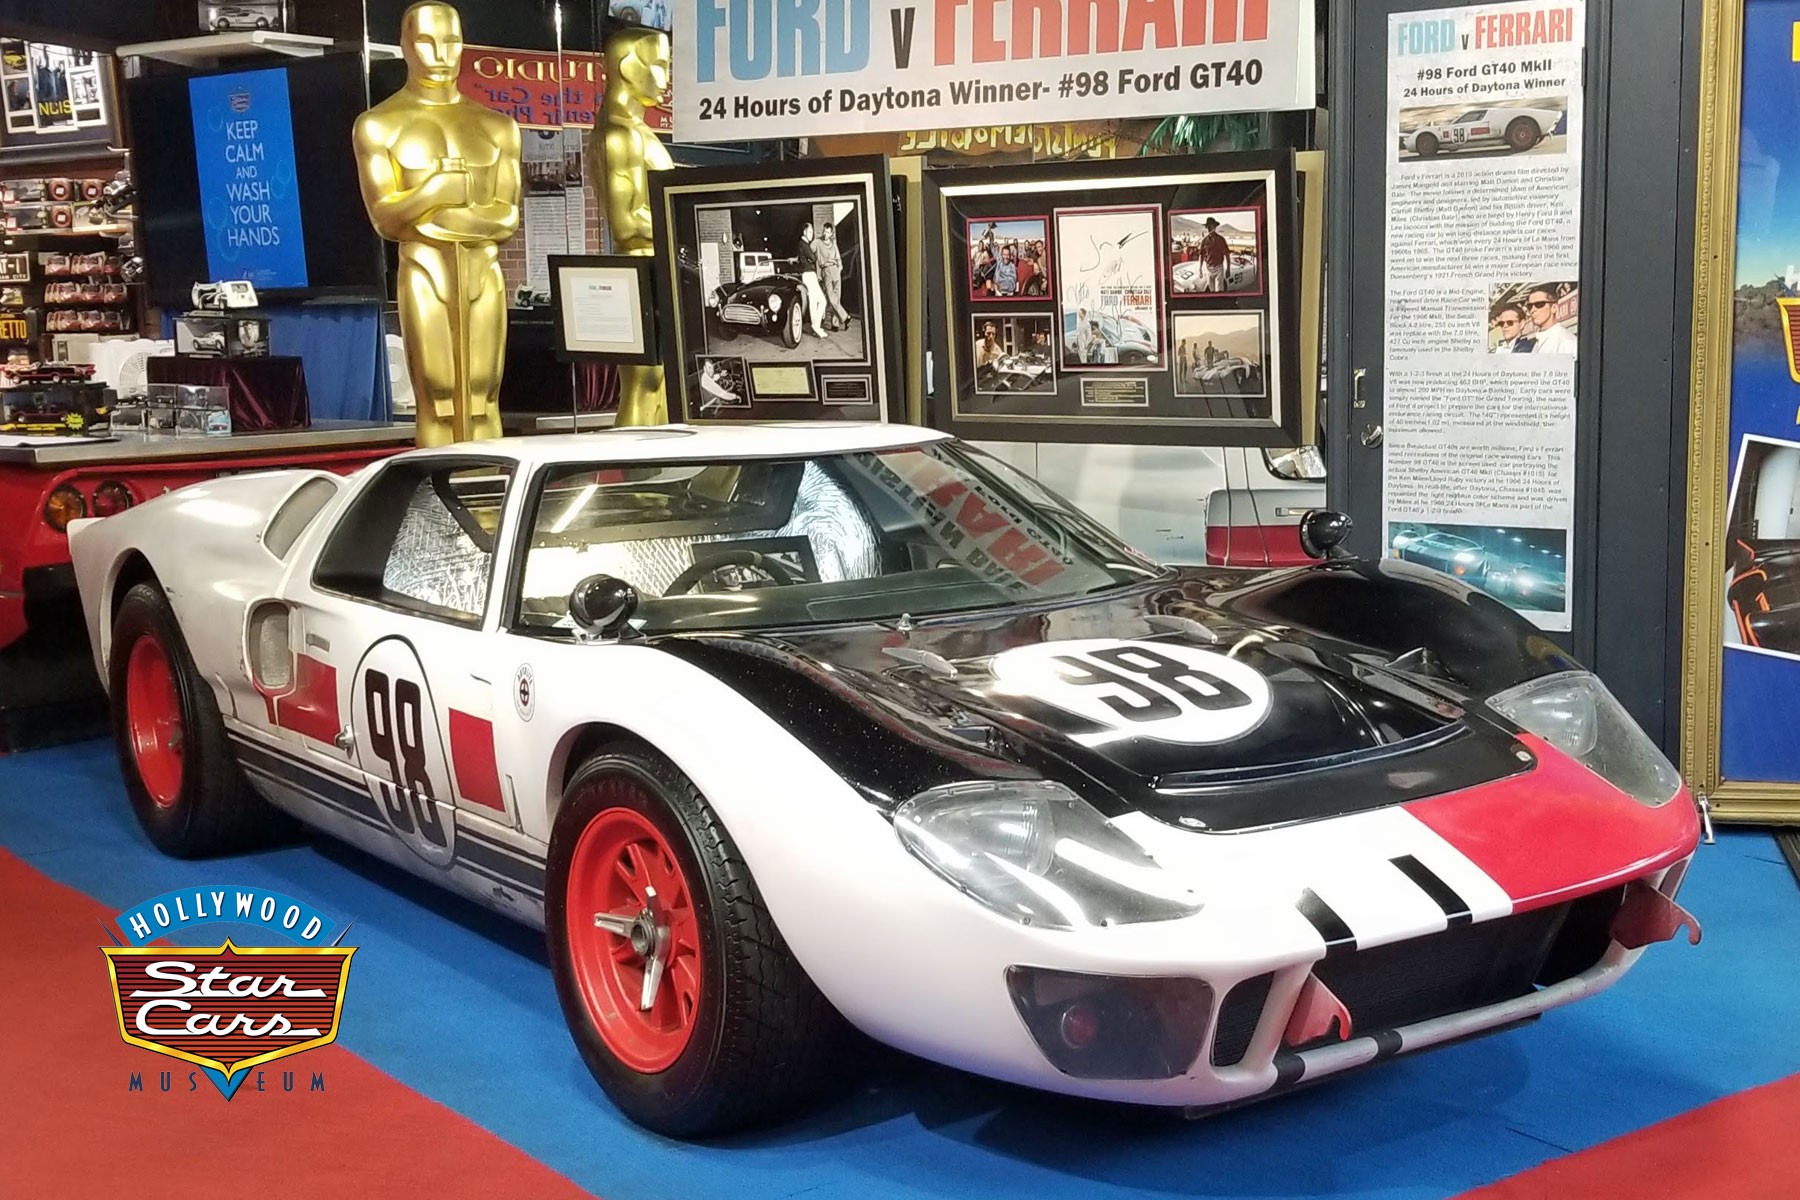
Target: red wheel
x,y
634,943
680,993
153,720
179,773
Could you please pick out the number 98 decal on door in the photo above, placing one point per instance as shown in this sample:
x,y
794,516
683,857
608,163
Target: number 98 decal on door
x,y
1165,690
400,751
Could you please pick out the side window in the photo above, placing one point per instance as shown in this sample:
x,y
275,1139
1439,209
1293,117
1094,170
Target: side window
x,y
296,514
421,537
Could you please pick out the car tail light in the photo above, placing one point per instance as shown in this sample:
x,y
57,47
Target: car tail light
x,y
64,505
112,498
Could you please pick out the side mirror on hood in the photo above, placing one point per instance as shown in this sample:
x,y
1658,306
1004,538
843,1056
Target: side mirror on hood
x,y
601,606
1322,530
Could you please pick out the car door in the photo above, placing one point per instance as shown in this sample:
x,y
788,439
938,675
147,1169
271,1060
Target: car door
x,y
392,693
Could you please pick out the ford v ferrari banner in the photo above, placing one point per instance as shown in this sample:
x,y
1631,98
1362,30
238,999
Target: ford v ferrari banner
x,y
749,69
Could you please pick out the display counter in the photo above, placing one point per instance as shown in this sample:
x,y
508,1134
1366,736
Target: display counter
x,y
47,680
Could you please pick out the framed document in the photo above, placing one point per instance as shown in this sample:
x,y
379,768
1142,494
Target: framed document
x,y
605,307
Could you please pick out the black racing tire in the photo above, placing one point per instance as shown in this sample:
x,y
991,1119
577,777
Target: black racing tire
x,y
760,1039
201,805
794,324
1523,133
1425,145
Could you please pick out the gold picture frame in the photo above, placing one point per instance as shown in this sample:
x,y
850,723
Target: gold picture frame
x,y
1722,48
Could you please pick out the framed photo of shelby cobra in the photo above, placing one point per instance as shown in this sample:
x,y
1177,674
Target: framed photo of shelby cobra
x,y
1740,682
1141,300
782,284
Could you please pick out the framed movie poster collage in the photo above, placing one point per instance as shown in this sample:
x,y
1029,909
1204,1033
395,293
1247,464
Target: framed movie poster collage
x,y
1144,300
781,279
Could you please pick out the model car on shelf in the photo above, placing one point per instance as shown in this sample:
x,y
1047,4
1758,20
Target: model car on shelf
x,y
230,18
761,300
1515,128
784,731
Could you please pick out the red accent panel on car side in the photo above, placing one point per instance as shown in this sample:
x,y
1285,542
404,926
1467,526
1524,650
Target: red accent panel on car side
x,y
1559,831
310,708
1256,546
472,755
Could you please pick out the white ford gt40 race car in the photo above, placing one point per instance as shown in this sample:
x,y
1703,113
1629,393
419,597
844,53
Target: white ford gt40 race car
x,y
1516,128
782,730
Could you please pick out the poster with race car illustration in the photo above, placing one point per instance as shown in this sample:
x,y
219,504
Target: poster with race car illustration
x,y
1109,291
782,289
1143,264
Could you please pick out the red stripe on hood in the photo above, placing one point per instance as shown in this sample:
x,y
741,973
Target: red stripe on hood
x,y
1559,831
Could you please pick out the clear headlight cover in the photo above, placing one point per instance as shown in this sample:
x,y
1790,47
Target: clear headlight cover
x,y
1037,853
1575,713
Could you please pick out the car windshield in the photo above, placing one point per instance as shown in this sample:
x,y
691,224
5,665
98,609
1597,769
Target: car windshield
x,y
852,537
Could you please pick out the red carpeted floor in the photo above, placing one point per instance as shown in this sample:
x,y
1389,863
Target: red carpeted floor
x,y
1744,1147
71,1116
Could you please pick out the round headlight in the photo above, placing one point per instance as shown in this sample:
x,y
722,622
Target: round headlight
x,y
64,505
112,498
774,302
1036,853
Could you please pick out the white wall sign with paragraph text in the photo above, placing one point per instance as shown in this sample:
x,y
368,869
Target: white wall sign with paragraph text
x,y
749,69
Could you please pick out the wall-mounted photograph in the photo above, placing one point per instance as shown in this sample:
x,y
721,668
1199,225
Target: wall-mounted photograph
x,y
1219,354
1215,253
791,277
1132,343
1014,353
1009,258
1109,287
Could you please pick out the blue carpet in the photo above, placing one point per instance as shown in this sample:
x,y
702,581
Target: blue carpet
x,y
458,1005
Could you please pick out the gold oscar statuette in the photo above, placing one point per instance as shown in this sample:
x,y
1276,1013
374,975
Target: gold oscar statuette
x,y
637,74
440,176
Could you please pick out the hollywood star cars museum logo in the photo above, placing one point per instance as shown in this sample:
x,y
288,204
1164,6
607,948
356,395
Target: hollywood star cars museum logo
x,y
228,1008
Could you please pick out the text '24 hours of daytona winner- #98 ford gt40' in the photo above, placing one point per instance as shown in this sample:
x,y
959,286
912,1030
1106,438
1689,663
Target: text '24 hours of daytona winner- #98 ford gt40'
x,y
782,732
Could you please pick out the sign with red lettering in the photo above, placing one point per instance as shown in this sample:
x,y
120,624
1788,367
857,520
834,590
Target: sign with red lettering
x,y
747,69
542,90
979,528
227,1009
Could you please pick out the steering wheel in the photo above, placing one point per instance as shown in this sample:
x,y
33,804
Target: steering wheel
x,y
702,567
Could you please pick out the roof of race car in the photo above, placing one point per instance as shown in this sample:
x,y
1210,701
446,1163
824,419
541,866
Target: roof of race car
x,y
683,443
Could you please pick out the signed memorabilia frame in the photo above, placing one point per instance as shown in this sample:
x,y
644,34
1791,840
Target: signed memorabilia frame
x,y
635,277
1127,338
729,244
1740,687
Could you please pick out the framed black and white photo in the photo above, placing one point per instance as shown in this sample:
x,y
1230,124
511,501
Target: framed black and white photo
x,y
1170,301
791,274
605,306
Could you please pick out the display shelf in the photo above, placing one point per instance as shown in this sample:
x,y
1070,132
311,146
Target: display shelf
x,y
208,48
85,231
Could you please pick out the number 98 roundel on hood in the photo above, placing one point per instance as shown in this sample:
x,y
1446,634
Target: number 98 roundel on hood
x,y
1166,691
